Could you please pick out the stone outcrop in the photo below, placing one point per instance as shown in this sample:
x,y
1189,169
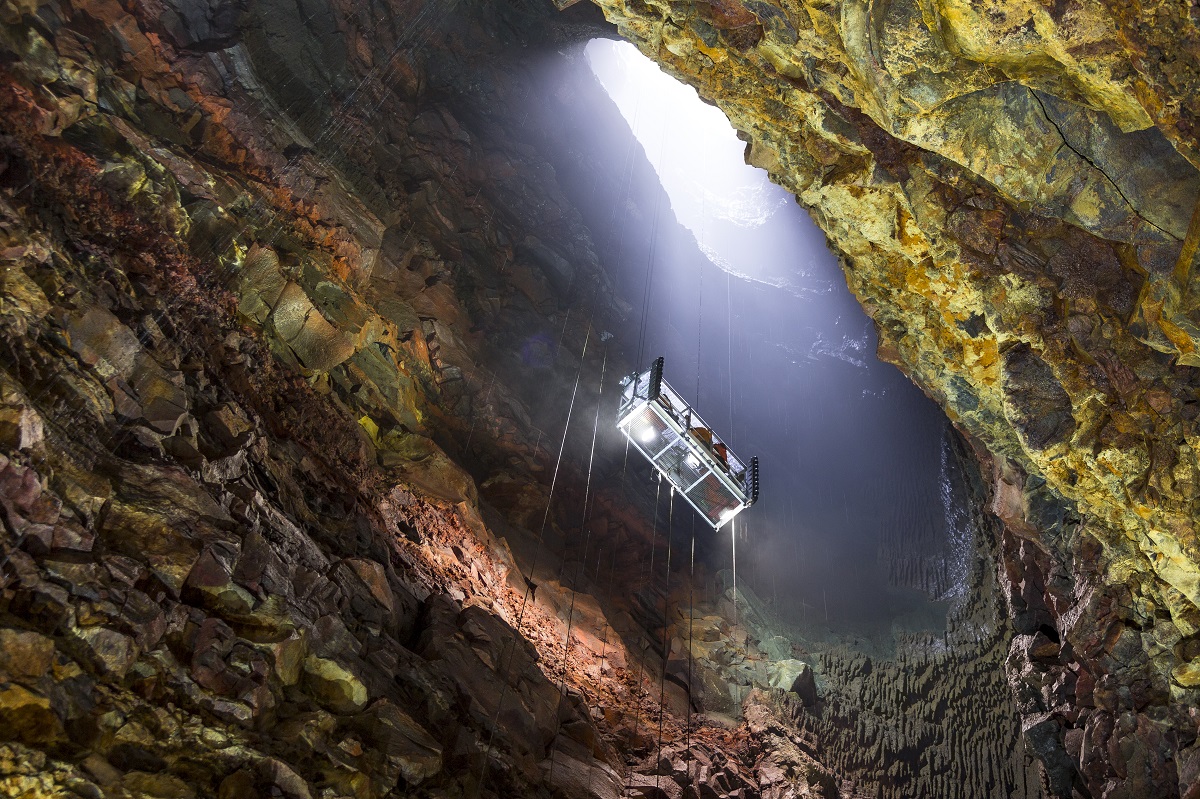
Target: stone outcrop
x,y
293,302
237,561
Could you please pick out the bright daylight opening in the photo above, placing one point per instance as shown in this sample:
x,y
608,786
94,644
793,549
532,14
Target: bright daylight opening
x,y
679,131
860,528
698,157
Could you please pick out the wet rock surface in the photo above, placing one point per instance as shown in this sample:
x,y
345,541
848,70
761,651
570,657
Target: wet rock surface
x,y
237,561
292,303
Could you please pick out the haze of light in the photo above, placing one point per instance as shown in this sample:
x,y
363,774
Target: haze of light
x,y
744,224
856,471
691,145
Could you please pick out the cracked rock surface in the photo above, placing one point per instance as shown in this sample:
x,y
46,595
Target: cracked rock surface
x,y
292,300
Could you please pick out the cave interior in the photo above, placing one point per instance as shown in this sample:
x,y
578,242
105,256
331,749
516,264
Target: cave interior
x,y
315,315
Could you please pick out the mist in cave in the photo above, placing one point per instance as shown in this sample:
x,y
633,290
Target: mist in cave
x,y
862,527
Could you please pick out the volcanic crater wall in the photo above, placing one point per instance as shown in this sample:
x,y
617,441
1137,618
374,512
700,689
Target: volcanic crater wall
x,y
254,270
294,298
274,277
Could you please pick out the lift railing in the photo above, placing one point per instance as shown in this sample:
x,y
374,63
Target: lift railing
x,y
684,449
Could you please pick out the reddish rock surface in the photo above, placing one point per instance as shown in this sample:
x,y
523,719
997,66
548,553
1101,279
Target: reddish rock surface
x,y
293,300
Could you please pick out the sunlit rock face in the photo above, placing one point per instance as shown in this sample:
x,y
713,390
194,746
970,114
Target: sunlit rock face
x,y
251,266
1011,187
293,302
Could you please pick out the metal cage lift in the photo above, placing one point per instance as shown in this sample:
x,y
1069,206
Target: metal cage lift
x,y
677,442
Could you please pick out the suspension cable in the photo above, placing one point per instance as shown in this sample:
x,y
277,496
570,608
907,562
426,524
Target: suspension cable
x,y
662,680
699,331
562,685
733,542
648,578
662,146
691,647
729,349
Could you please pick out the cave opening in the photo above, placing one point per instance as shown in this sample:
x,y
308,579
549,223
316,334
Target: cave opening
x,y
295,298
863,528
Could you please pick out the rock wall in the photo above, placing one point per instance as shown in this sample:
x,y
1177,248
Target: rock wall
x,y
294,300
254,269
937,717
1012,188
923,713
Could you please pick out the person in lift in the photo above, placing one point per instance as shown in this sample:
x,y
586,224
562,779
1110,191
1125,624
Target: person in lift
x,y
722,453
719,449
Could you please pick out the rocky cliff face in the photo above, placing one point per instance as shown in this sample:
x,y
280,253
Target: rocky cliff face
x,y
1013,190
296,298
255,268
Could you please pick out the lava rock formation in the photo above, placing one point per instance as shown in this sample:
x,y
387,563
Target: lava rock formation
x,y
295,299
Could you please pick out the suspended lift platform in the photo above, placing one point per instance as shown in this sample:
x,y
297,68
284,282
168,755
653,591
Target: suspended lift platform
x,y
677,442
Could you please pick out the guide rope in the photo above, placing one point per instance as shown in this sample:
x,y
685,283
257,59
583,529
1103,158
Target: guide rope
x,y
553,482
603,647
475,416
586,509
562,685
691,648
662,680
533,565
647,577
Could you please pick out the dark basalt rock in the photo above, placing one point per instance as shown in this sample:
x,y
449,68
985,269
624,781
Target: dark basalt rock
x,y
1041,409
289,299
